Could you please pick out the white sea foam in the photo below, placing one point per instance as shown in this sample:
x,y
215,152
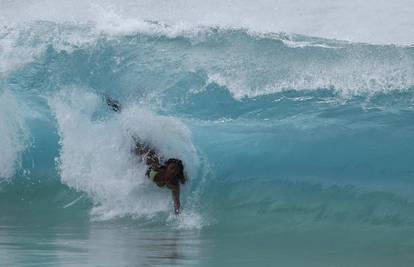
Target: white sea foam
x,y
352,75
21,44
96,157
12,55
381,22
13,132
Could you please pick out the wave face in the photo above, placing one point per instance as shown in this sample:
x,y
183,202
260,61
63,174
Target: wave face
x,y
275,129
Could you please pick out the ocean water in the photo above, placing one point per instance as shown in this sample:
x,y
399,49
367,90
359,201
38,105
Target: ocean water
x,y
295,122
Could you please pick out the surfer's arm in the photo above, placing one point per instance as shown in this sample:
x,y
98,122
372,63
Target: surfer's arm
x,y
175,190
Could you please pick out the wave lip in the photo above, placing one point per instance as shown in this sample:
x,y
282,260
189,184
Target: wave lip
x,y
256,63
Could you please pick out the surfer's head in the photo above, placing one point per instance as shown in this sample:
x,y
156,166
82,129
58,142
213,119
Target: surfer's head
x,y
174,169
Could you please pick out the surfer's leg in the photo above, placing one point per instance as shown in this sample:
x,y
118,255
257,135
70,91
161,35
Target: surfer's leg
x,y
113,104
141,149
148,154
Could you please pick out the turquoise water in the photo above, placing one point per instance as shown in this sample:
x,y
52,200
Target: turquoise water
x,y
112,245
298,149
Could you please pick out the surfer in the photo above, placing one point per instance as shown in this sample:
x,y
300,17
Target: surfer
x,y
169,173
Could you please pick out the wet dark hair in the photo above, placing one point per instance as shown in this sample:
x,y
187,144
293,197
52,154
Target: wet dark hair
x,y
181,176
